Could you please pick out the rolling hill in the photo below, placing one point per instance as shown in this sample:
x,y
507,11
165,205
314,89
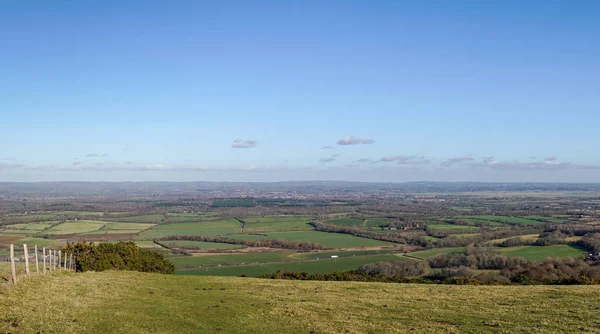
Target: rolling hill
x,y
131,302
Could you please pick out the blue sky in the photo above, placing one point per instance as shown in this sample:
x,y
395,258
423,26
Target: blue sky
x,y
419,90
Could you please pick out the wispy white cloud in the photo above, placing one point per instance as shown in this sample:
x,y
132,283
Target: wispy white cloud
x,y
550,163
10,165
242,143
326,147
350,140
452,161
405,160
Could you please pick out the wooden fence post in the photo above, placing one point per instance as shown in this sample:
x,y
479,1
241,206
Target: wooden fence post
x,y
26,259
37,265
51,260
12,263
59,259
44,258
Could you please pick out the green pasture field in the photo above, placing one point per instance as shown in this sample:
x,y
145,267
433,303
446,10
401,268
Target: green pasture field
x,y
344,222
48,243
41,216
541,253
147,244
190,217
184,304
133,227
328,240
426,254
442,226
230,259
277,219
481,221
509,220
31,226
549,219
153,219
195,244
377,221
279,226
14,232
214,228
323,255
82,226
525,237
322,266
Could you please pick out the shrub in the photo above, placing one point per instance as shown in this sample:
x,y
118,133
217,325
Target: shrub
x,y
117,256
395,268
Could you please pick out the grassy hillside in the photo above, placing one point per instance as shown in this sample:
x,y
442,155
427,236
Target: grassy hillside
x,y
85,303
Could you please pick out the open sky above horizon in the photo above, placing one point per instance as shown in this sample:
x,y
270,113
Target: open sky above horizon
x,y
306,90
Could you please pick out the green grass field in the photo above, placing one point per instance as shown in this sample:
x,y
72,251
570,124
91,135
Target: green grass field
x,y
187,244
229,259
276,219
344,222
324,255
214,228
34,227
509,220
321,266
531,237
176,304
549,219
281,225
442,227
81,226
540,253
153,219
377,221
426,254
125,227
329,240
190,217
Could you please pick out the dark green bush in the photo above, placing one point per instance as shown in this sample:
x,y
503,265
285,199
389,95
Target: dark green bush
x,y
117,256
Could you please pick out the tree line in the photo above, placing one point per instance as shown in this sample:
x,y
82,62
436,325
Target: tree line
x,y
269,243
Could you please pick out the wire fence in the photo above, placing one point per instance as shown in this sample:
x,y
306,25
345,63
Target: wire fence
x,y
26,261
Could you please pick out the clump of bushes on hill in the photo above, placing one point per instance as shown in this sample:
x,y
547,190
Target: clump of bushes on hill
x,y
591,242
395,268
551,238
559,271
516,241
117,256
474,257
